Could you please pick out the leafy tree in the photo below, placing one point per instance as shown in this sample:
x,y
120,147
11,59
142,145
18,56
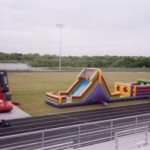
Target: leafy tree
x,y
37,60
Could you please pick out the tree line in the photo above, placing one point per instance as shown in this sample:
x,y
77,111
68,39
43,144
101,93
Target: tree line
x,y
37,60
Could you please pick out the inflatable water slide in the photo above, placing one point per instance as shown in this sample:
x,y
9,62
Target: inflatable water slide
x,y
91,87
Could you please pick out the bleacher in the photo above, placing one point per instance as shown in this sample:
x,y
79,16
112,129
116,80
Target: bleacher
x,y
15,66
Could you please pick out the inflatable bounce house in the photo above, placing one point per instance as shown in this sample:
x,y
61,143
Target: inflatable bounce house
x,y
5,96
91,87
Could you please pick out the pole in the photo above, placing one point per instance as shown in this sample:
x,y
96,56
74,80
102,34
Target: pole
x,y
60,26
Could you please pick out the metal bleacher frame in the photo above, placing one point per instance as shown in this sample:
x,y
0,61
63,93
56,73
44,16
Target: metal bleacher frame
x,y
15,66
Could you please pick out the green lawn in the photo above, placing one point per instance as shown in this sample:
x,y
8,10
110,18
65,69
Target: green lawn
x,y
29,89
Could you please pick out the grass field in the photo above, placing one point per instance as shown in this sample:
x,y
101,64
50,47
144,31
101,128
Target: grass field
x,y
29,89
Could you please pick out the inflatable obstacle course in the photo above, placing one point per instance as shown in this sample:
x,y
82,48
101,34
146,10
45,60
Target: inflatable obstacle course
x,y
80,92
91,87
5,96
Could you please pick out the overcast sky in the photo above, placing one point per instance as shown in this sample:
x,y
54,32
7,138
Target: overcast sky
x,y
92,27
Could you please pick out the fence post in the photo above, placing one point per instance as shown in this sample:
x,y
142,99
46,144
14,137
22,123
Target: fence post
x,y
43,140
79,136
116,141
146,140
68,146
136,121
111,134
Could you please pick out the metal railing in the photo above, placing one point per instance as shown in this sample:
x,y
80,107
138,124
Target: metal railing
x,y
133,138
75,136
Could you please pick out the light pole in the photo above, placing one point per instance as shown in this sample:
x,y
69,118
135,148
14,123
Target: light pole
x,y
60,26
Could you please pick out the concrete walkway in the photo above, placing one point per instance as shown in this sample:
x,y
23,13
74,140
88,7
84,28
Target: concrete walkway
x,y
109,146
102,146
14,114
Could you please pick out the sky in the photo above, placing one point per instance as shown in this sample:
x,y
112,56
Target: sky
x,y
91,27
